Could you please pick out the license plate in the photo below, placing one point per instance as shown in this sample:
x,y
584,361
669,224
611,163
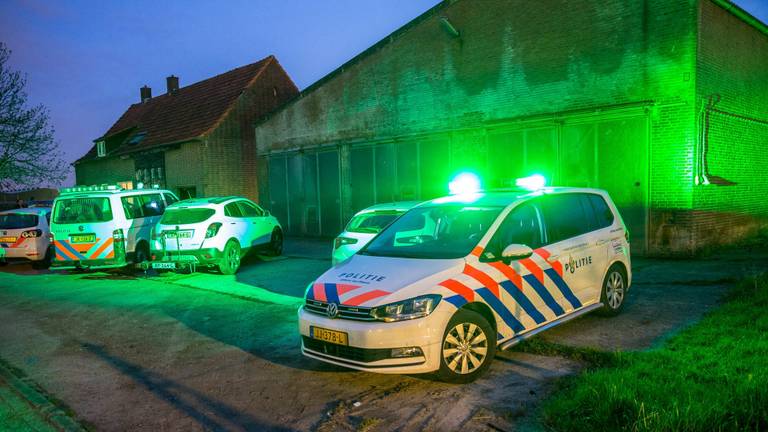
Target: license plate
x,y
163,265
332,336
7,239
186,234
82,238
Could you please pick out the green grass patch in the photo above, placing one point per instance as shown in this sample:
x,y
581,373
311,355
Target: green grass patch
x,y
711,376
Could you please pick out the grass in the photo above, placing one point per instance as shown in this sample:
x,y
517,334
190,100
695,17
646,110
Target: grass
x,y
711,376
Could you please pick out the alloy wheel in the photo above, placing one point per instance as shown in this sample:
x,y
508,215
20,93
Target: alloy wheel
x,y
614,290
465,348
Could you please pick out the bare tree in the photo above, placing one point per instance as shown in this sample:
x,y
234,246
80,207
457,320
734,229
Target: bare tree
x,y
29,156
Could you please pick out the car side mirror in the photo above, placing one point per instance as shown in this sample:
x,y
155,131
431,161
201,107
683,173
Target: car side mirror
x,y
515,252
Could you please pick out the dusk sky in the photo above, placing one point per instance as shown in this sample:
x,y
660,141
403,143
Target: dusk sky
x,y
86,60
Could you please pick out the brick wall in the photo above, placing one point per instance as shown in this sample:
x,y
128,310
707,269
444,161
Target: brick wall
x,y
732,99
515,61
183,167
230,155
104,170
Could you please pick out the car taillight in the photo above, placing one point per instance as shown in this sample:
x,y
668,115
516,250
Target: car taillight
x,y
212,230
32,233
341,241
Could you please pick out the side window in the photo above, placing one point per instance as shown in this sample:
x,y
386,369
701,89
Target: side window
x,y
249,210
132,207
566,217
170,199
603,214
232,210
521,226
152,205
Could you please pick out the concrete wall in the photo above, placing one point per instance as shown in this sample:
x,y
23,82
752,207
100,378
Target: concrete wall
x,y
732,91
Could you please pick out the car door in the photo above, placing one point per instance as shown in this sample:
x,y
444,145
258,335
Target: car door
x,y
260,229
528,298
237,225
134,215
572,253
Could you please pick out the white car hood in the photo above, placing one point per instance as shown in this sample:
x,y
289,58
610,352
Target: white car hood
x,y
371,281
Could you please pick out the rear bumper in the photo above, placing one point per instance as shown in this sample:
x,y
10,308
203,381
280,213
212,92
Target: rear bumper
x,y
208,256
87,264
31,254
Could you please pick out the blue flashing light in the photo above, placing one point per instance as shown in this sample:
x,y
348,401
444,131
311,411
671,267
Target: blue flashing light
x,y
464,183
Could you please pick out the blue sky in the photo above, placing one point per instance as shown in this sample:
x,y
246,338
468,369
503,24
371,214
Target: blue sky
x,y
85,60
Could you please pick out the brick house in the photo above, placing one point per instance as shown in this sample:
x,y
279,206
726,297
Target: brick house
x,y
196,140
664,103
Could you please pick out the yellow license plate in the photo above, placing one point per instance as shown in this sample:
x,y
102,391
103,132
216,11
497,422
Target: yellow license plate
x,y
332,336
7,239
84,238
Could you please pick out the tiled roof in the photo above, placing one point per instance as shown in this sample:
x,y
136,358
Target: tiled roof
x,y
188,113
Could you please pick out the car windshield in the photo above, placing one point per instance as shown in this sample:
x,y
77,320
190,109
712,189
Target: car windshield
x,y
371,222
82,210
180,216
18,220
439,232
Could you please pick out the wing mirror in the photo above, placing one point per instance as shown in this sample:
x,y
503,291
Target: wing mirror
x,y
515,252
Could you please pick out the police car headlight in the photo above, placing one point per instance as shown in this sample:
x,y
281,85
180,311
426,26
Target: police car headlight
x,y
417,307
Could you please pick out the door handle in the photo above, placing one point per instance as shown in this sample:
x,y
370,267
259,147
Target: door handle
x,y
601,242
553,258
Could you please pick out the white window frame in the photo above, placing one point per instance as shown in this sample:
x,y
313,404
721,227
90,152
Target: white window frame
x,y
101,149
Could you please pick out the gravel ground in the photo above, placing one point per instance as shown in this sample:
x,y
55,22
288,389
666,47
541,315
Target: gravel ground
x,y
211,352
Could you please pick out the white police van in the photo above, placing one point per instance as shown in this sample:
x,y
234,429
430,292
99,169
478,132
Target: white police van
x,y
96,227
453,279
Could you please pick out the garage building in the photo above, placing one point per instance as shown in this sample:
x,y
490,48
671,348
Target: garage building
x,y
664,103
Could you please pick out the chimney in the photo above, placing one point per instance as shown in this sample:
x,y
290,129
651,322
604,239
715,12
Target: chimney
x,y
173,84
146,94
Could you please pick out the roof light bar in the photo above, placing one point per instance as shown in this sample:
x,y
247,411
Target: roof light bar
x,y
532,182
93,188
464,183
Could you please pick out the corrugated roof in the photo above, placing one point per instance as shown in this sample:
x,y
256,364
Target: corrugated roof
x,y
188,113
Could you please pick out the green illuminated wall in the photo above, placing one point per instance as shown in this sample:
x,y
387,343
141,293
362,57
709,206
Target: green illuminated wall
x,y
732,88
599,94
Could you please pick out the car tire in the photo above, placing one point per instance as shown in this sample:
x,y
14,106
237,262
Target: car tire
x,y
460,351
3,263
43,263
230,258
614,291
141,253
276,243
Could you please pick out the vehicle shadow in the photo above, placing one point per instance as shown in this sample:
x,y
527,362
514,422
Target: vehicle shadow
x,y
189,401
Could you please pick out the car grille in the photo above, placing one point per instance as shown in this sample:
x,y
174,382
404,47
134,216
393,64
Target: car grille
x,y
345,312
364,355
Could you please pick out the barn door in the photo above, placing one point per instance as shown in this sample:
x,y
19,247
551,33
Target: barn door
x,y
611,154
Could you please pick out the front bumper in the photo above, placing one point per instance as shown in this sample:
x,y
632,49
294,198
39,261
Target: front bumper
x,y
370,342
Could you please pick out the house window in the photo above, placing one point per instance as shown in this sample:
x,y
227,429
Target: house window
x,y
101,149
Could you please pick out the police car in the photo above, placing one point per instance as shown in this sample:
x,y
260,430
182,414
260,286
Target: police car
x,y
453,279
364,226
214,232
25,235
105,226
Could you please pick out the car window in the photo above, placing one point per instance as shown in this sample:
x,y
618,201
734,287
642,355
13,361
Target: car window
x,y
521,226
565,216
132,207
152,205
169,199
232,210
603,216
438,232
18,220
372,222
248,209
82,210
